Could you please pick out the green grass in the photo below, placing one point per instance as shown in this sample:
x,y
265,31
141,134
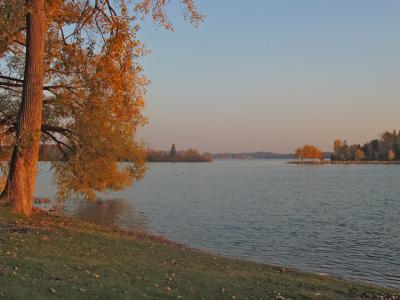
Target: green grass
x,y
48,257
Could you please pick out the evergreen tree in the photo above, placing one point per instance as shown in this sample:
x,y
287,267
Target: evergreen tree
x,y
172,152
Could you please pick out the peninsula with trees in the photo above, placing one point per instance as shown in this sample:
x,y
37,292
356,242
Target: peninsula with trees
x,y
384,150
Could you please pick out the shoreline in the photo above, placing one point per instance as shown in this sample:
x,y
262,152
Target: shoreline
x,y
328,162
113,263
161,239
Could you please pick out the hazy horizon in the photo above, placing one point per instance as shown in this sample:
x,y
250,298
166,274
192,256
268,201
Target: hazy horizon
x,y
273,75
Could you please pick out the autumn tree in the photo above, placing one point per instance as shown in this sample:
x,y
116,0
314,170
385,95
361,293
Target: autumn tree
x,y
309,152
299,153
69,75
359,154
391,155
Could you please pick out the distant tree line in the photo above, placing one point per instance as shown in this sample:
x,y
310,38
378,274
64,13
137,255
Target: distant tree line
x,y
51,152
252,155
189,155
387,148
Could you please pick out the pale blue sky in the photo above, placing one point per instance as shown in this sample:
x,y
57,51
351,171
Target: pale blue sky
x,y
274,74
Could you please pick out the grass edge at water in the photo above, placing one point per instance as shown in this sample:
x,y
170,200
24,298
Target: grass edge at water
x,y
50,257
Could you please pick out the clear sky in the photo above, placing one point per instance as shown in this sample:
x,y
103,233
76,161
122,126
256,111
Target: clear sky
x,y
274,74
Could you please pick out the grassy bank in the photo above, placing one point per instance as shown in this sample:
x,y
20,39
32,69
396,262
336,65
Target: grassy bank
x,y
50,257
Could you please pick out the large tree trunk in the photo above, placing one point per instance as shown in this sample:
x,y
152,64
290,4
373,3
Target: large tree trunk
x,y
21,178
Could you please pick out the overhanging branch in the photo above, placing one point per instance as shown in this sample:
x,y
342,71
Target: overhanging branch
x,y
57,129
59,143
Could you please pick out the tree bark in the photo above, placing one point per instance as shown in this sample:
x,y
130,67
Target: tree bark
x,y
20,184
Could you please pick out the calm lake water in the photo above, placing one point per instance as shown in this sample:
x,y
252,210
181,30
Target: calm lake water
x,y
342,220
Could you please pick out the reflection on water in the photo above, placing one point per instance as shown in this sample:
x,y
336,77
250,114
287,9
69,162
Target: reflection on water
x,y
342,220
106,212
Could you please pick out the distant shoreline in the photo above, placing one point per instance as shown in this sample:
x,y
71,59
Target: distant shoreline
x,y
179,161
361,162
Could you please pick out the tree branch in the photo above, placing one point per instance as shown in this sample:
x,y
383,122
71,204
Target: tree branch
x,y
57,86
8,120
11,79
111,9
9,89
59,143
18,83
57,129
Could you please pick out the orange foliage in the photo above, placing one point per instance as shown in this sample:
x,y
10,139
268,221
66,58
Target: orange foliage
x,y
391,154
309,152
93,86
359,154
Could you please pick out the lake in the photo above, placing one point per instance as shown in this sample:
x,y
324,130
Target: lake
x,y
337,219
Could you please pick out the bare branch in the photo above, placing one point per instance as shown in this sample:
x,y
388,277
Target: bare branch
x,y
63,36
101,10
111,9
